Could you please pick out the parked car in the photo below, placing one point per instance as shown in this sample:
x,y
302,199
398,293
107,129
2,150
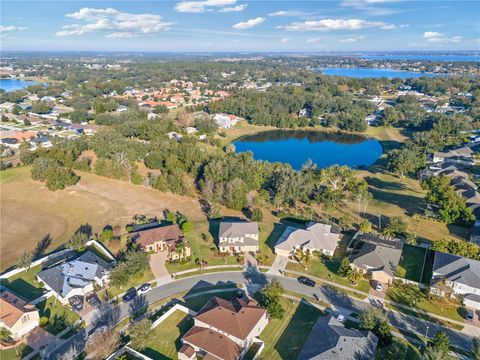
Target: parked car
x,y
130,295
341,318
379,286
76,302
144,289
469,315
93,300
306,281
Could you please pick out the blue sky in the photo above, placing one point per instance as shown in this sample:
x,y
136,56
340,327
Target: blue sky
x,y
240,25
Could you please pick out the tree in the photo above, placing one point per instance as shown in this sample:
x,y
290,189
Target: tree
x,y
354,276
396,227
107,233
257,214
41,107
77,241
441,342
24,260
344,268
102,344
476,348
374,320
5,335
366,227
171,217
119,276
187,227
271,294
432,353
139,334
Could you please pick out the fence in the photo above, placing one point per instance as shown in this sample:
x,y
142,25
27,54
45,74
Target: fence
x,y
170,312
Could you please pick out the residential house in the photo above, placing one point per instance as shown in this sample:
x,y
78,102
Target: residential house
x,y
167,238
16,314
475,233
7,106
316,237
463,156
376,255
224,330
40,141
75,277
331,340
461,275
236,237
175,135
225,121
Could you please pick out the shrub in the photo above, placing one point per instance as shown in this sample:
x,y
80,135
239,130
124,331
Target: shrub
x,y
43,321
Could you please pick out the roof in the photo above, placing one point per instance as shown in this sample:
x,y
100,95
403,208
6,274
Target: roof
x,y
12,307
162,233
213,343
187,350
377,252
77,273
316,236
473,298
237,229
237,317
330,340
457,269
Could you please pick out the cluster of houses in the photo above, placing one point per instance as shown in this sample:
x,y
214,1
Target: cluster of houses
x,y
455,164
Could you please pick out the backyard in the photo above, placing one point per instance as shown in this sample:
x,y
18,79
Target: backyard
x,y
411,263
25,284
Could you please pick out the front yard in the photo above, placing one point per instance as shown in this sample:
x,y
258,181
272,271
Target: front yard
x,y
59,316
17,353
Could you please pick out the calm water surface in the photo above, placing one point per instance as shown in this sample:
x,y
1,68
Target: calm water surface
x,y
324,149
374,73
14,84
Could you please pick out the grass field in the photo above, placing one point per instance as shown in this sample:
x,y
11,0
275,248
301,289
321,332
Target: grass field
x,y
285,337
411,263
398,350
11,354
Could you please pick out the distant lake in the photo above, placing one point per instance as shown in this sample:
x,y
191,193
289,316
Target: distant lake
x,y
295,147
423,57
373,73
14,84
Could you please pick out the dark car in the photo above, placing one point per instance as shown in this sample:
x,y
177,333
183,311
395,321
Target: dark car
x,y
130,295
306,281
76,302
93,300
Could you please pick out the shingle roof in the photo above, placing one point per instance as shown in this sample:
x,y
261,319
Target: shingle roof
x,y
315,237
237,229
162,233
213,343
330,340
236,317
12,307
373,251
457,269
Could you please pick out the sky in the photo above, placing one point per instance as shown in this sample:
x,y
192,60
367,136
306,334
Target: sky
x,y
240,25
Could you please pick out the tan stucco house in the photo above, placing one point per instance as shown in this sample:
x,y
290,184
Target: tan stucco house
x,y
237,237
17,315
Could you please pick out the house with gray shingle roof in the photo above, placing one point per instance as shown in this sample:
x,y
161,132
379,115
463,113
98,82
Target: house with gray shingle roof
x,y
461,274
316,237
376,255
330,340
236,237
75,277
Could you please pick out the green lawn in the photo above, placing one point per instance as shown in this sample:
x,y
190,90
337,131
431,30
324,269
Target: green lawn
x,y
399,349
411,263
59,315
164,340
284,338
415,298
326,269
11,354
25,284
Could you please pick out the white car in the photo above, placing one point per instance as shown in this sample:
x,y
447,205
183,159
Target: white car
x,y
379,287
341,319
144,289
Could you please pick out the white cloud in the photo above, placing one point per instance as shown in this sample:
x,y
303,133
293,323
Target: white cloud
x,y
249,23
353,39
237,8
314,40
332,24
438,37
202,6
113,23
287,13
392,27
284,40
7,30
366,7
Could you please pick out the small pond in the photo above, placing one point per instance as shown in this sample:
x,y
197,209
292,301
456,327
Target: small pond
x,y
295,147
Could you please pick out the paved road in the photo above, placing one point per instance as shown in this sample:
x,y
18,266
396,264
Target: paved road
x,y
253,279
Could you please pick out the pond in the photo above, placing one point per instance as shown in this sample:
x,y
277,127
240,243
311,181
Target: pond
x,y
15,84
295,147
374,73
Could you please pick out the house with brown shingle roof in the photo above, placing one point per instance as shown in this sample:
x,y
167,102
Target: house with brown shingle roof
x,y
16,314
167,238
224,329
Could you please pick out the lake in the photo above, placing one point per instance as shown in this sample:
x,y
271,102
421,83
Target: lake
x,y
373,73
14,84
295,147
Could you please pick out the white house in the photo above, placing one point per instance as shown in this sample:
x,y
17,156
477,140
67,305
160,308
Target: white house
x,y
236,237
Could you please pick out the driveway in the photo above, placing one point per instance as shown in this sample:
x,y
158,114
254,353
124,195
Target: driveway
x,y
38,338
278,265
157,265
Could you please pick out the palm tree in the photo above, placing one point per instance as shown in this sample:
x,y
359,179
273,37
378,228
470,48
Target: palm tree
x,y
306,257
180,249
354,276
